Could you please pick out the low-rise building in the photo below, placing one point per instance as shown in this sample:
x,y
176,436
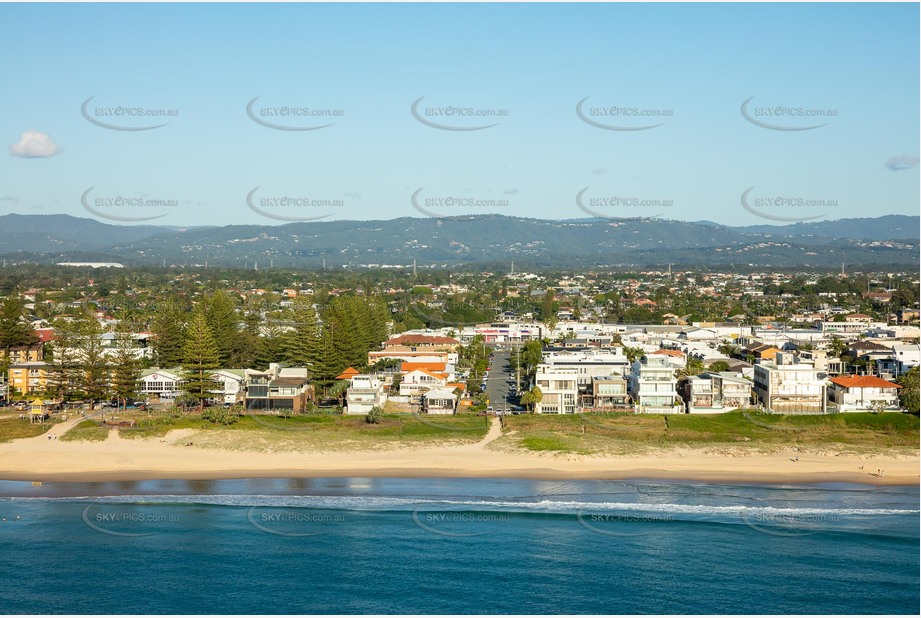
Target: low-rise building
x,y
862,394
161,384
439,401
278,389
715,392
230,384
364,392
607,393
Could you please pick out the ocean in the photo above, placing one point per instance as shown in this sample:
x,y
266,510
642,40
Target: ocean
x,y
388,545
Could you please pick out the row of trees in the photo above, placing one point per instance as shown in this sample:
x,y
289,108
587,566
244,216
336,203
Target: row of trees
x,y
325,339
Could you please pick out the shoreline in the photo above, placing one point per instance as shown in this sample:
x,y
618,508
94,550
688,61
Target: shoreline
x,y
546,474
45,460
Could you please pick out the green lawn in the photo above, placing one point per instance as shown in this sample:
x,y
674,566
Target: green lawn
x,y
14,428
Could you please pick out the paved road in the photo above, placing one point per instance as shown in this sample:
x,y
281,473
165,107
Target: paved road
x,y
498,387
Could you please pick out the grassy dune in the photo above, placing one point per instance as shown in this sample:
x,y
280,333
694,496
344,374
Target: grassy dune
x,y
86,431
619,433
14,428
314,432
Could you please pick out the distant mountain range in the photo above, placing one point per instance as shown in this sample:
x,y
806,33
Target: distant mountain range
x,y
889,241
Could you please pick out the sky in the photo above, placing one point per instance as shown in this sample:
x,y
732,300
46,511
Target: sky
x,y
741,114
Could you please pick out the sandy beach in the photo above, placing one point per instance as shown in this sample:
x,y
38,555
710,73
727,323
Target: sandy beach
x,y
41,459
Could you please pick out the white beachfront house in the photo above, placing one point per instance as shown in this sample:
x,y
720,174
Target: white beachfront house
x,y
364,393
559,387
230,385
653,385
418,381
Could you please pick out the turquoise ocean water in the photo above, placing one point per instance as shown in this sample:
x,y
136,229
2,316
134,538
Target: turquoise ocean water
x,y
365,545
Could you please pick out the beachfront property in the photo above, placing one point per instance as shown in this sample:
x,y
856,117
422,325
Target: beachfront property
x,y
559,386
161,384
903,358
364,392
607,393
278,388
230,385
785,386
715,392
862,394
439,401
653,386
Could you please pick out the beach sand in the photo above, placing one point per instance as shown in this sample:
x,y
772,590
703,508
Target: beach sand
x,y
40,459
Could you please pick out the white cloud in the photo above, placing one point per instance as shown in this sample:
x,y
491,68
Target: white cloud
x,y
902,162
34,144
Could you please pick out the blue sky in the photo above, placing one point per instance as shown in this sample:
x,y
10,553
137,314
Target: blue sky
x,y
691,66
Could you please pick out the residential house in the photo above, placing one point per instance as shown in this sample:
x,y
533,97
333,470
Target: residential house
x,y
559,387
715,392
364,392
439,401
417,381
607,393
862,393
231,382
278,388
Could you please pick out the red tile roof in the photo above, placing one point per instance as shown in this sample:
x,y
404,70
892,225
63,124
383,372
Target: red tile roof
x,y
348,373
863,382
421,340
670,353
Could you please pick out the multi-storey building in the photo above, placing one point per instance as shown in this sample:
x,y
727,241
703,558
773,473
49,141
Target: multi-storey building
x,y
787,387
652,386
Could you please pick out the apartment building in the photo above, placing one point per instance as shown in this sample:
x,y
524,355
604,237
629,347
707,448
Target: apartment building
x,y
785,386
653,386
